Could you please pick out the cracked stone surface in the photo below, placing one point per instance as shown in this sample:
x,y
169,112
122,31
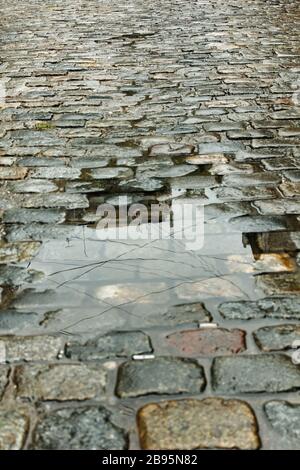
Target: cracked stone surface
x,y
150,108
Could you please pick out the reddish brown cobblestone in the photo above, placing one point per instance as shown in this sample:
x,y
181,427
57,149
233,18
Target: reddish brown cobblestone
x,y
208,341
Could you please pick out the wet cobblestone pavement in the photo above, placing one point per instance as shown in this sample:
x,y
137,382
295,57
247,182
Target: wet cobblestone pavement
x,y
144,344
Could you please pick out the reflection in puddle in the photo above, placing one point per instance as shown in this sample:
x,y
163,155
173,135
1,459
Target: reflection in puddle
x,y
92,286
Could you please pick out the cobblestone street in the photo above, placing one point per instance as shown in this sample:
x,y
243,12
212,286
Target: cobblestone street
x,y
144,344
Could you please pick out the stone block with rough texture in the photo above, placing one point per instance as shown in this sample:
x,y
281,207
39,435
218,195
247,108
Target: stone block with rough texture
x,y
198,424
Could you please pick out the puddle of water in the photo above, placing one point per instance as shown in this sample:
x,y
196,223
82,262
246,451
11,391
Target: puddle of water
x,y
95,285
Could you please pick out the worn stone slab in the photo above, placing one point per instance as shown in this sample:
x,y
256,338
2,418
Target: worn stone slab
x,y
61,382
14,426
61,200
174,149
28,216
278,207
18,252
12,320
185,313
56,173
284,418
290,189
279,283
39,186
4,372
110,173
252,224
17,276
42,232
285,308
267,373
247,193
29,348
254,179
163,375
193,182
13,173
118,344
277,338
78,429
292,175
278,242
207,341
198,424
209,159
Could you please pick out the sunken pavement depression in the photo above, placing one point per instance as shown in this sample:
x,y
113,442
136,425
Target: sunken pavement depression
x,y
149,224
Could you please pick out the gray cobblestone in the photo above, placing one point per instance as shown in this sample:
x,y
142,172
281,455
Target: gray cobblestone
x,y
269,373
60,382
276,338
119,344
79,428
285,308
284,417
30,348
160,376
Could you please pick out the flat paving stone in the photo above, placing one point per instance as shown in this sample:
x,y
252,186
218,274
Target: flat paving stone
x,y
198,424
247,193
41,232
115,344
278,207
185,313
280,283
56,173
284,418
173,149
108,173
13,173
207,341
12,321
284,308
39,186
164,375
13,429
18,252
252,224
62,200
77,429
268,373
28,216
278,242
255,179
61,382
17,276
277,338
290,189
4,372
29,348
